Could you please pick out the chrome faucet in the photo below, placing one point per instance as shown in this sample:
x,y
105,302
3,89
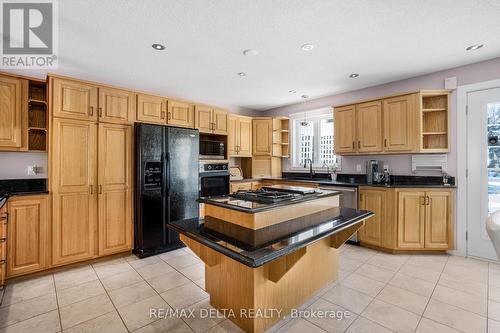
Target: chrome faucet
x,y
311,172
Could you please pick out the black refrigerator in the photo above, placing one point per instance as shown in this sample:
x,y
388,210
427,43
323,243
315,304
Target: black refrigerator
x,y
166,185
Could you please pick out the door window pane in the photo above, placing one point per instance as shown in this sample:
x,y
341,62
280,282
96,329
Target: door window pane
x,y
493,157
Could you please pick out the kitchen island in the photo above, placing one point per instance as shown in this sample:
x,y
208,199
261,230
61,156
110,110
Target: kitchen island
x,y
263,259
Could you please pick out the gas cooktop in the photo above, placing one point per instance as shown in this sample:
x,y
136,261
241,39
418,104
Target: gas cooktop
x,y
265,195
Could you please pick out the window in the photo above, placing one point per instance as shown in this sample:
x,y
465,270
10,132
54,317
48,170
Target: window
x,y
312,137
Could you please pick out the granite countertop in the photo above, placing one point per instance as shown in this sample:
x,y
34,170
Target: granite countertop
x,y
255,207
255,248
10,187
357,184
245,180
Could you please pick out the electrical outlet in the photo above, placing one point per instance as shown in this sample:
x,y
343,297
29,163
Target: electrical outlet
x,y
32,170
358,167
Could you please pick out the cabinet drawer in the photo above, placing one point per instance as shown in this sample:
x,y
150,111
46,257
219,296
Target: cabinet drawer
x,y
241,187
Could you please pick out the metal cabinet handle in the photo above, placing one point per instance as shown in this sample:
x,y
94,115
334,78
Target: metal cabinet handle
x,y
162,115
100,189
427,200
2,262
3,240
353,144
99,111
422,201
385,142
91,189
91,110
168,116
359,144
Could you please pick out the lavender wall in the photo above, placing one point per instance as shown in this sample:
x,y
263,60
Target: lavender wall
x,y
401,164
14,165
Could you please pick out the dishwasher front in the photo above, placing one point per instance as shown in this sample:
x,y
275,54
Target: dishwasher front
x,y
348,199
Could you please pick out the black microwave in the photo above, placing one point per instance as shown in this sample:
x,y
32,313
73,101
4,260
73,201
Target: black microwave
x,y
212,147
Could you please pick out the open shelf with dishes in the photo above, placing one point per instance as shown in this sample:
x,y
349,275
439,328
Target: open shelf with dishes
x,y
37,116
435,127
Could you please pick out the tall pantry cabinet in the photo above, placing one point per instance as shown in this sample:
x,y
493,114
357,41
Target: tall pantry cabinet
x,y
90,170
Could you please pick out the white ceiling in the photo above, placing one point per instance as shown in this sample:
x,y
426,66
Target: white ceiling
x,y
385,40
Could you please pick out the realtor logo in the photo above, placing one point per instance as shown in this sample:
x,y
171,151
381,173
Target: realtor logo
x,y
29,37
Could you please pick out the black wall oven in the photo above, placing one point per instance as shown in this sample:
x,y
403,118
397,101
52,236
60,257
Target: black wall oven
x,y
214,179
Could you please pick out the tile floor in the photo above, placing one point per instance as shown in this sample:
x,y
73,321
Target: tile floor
x,y
382,292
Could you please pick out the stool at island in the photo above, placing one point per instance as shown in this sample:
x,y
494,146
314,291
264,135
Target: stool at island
x,y
263,260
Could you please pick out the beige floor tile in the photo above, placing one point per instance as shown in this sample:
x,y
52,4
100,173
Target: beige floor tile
x,y
461,299
20,311
343,274
170,325
74,276
458,283
82,311
170,254
182,260
138,262
200,283
325,289
412,284
348,298
375,273
421,271
227,326
342,318
349,265
430,326
363,325
363,284
115,267
162,283
300,325
468,263
79,293
156,269
466,274
108,323
391,316
27,289
139,314
118,281
184,295
131,294
200,324
494,310
494,279
388,261
455,317
404,299
493,326
194,272
359,253
494,293
44,323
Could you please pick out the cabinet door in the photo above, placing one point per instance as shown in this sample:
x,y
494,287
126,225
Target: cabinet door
x,y
115,188
220,122
116,106
245,137
235,187
74,193
74,100
261,167
345,129
262,136
12,123
369,129
232,135
151,109
438,227
373,200
180,114
400,123
411,219
3,247
28,235
204,118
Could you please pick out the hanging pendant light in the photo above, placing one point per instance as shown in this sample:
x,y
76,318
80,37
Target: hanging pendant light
x,y
304,123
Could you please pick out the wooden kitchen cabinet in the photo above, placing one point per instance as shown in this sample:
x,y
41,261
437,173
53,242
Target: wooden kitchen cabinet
x,y
115,188
116,106
151,109
28,235
239,136
74,100
400,123
74,190
220,122
373,200
438,220
369,126
13,122
210,120
240,186
411,219
345,129
3,245
262,136
180,114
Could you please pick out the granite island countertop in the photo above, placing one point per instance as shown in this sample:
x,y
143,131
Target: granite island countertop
x,y
255,248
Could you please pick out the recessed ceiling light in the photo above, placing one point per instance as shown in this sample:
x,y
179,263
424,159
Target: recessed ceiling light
x,y
250,52
354,75
307,47
293,91
158,47
242,74
474,47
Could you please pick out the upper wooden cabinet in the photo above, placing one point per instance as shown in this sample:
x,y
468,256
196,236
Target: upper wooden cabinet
x,y
210,120
239,139
74,100
345,129
262,136
151,109
13,122
369,127
116,106
180,114
400,123
28,235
